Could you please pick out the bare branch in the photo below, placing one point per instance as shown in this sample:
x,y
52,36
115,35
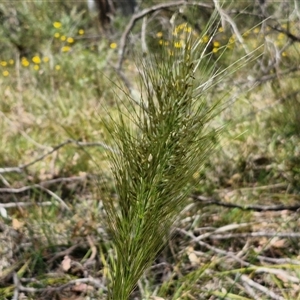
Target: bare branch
x,y
260,208
20,168
255,234
96,283
261,288
144,13
24,204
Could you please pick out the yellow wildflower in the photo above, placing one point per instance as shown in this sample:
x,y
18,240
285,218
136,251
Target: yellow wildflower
x,y
284,54
70,40
215,50
178,44
3,63
159,34
56,25
63,38
113,45
65,49
11,61
36,59
188,29
56,35
205,39
81,31
221,29
25,62
36,67
160,42
216,44
57,67
5,73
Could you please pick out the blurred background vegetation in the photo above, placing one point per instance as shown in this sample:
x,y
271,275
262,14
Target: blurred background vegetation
x,y
60,76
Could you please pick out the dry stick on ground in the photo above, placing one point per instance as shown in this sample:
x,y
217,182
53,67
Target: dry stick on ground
x,y
279,260
250,291
254,268
214,249
261,288
34,186
260,208
41,186
144,13
24,204
20,168
17,286
96,283
254,234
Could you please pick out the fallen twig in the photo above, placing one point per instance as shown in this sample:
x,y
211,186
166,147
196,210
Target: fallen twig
x,y
261,288
96,283
34,186
20,168
24,204
255,234
260,208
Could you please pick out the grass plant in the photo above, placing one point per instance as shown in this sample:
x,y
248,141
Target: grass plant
x,y
162,142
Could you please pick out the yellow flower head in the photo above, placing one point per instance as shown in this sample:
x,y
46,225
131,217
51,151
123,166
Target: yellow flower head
x,y
70,40
36,59
205,39
188,29
3,63
57,25
24,62
178,44
159,34
216,44
57,67
46,59
80,31
11,61
36,67
56,35
113,45
5,73
65,49
63,38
